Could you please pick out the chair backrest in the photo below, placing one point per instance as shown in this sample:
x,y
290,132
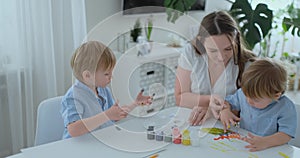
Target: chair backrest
x,y
50,124
296,140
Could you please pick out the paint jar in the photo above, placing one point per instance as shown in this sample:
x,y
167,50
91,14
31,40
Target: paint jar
x,y
186,137
176,135
159,136
195,139
150,133
168,138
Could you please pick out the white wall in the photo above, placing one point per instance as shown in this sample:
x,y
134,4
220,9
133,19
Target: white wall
x,y
105,20
98,10
107,16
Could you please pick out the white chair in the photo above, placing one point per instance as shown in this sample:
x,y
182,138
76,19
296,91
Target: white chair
x,y
296,140
50,124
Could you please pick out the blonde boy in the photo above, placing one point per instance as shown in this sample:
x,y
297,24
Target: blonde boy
x,y
263,108
88,104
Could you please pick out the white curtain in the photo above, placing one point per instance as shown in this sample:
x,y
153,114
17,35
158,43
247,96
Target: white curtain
x,y
37,39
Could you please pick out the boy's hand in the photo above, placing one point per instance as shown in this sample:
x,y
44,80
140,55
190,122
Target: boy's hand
x,y
256,142
116,113
227,118
127,108
143,100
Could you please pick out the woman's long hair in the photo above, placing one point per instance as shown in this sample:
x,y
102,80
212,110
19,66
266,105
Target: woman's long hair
x,y
221,23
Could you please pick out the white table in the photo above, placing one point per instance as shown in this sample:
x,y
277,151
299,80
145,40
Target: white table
x,y
91,145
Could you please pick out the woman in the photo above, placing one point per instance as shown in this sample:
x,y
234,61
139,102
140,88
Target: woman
x,y
211,66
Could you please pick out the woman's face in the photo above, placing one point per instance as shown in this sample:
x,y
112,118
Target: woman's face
x,y
219,49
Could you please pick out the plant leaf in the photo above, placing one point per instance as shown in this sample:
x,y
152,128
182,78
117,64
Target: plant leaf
x,y
293,23
176,8
255,24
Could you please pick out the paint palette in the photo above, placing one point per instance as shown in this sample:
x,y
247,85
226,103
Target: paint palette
x,y
165,118
160,123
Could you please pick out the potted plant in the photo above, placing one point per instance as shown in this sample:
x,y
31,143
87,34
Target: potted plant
x,y
149,27
136,31
251,20
176,8
292,20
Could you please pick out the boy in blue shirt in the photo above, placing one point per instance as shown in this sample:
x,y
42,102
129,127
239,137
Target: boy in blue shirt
x,y
262,107
88,104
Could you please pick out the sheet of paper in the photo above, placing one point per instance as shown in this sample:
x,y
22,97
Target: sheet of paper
x,y
124,140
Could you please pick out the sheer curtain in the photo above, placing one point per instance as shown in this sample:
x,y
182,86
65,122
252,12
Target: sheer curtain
x,y
37,38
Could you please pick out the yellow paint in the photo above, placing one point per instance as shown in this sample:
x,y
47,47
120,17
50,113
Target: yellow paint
x,y
228,146
283,154
222,150
215,131
186,137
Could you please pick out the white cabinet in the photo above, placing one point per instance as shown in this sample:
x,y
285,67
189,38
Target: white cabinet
x,y
154,72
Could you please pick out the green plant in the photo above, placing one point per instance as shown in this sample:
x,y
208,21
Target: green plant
x,y
149,27
176,8
292,21
265,47
255,24
136,31
285,18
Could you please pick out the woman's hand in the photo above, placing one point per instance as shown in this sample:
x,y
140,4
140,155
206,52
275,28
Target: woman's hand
x,y
256,142
216,104
198,115
143,100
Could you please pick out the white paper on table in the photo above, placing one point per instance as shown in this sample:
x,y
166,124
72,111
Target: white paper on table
x,y
122,139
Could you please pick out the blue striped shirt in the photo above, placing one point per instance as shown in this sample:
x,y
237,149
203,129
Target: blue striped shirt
x,y
81,102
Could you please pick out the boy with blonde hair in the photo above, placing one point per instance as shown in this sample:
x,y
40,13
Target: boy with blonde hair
x,y
88,104
262,107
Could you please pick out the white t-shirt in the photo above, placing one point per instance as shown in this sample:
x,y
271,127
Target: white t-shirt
x,y
200,80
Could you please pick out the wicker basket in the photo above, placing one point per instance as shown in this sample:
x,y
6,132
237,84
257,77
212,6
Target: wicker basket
x,y
291,83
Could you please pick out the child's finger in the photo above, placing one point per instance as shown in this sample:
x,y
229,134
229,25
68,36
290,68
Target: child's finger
x,y
250,135
250,146
123,114
236,118
245,139
253,149
248,140
232,122
141,92
224,126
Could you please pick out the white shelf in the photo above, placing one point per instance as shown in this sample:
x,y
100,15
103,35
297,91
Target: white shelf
x,y
132,72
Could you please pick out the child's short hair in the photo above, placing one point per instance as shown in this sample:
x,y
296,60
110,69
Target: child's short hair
x,y
264,78
92,56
